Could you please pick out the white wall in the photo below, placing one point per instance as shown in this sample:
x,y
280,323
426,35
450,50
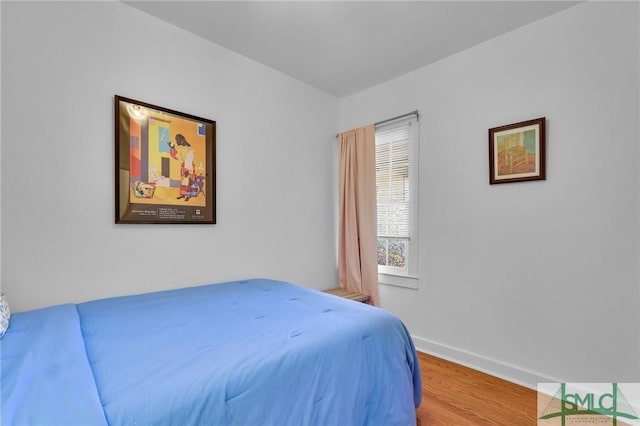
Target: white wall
x,y
61,65
533,280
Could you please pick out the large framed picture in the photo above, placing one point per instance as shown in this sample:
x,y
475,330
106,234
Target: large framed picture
x,y
517,152
165,165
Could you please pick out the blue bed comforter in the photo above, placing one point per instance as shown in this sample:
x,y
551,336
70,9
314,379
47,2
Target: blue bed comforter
x,y
45,375
255,352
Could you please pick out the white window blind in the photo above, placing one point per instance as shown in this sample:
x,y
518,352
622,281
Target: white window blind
x,y
393,188
396,193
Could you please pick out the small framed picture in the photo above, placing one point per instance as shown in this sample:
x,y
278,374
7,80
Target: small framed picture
x,y
165,165
517,152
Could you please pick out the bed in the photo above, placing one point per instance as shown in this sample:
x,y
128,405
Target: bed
x,y
254,352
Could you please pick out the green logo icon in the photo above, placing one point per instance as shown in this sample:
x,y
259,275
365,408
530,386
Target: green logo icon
x,y
611,403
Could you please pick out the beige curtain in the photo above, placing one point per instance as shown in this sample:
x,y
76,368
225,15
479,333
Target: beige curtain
x,y
357,261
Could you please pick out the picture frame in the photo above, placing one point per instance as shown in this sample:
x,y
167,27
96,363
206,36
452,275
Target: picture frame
x,y
165,165
517,152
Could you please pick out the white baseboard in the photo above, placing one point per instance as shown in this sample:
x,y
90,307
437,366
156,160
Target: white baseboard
x,y
502,370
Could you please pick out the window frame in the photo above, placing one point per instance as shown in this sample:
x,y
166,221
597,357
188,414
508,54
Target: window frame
x,y
408,276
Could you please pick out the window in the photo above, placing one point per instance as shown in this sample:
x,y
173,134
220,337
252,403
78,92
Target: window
x,y
396,193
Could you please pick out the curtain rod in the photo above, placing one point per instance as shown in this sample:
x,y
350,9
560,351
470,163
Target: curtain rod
x,y
389,120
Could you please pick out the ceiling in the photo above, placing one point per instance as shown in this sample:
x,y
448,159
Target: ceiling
x,y
343,47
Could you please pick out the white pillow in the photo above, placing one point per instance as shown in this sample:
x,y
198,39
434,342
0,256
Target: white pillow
x,y
5,314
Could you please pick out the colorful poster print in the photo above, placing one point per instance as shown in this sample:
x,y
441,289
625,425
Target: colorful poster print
x,y
165,165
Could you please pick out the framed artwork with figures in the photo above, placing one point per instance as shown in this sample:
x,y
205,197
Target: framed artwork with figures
x,y
164,165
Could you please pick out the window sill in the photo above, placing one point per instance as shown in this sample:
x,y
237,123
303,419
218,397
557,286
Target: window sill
x,y
405,281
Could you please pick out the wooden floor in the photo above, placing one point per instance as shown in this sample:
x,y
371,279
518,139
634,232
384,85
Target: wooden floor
x,y
453,395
